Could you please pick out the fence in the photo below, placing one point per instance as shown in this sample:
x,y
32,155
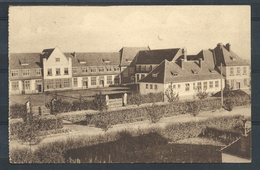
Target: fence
x,y
115,102
40,110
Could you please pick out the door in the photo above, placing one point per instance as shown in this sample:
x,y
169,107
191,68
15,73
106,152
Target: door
x,y
39,88
238,85
101,83
85,84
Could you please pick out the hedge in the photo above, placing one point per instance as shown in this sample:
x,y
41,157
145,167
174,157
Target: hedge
x,y
43,123
185,130
148,98
17,111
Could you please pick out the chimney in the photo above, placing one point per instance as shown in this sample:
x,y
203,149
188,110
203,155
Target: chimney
x,y
200,62
228,46
220,45
182,63
184,53
74,54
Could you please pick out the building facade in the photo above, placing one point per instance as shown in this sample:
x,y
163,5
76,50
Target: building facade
x,y
153,70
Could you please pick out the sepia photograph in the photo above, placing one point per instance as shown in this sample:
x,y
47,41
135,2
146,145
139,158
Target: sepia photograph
x,y
129,84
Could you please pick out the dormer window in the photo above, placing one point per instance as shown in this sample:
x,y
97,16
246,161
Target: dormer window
x,y
154,74
232,58
24,63
195,71
212,71
174,73
82,61
107,61
128,60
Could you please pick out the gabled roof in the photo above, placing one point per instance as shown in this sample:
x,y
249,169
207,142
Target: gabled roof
x,y
94,59
156,56
129,53
228,58
32,60
166,68
236,148
47,52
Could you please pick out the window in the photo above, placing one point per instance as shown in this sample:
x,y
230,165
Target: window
x,y
142,76
57,71
109,68
93,80
27,84
232,83
66,83
14,73
58,83
66,71
151,86
195,71
49,84
116,68
38,81
179,86
216,84
174,73
245,82
174,86
147,86
75,70
194,86
84,70
155,87
15,85
211,84
154,74
26,72
238,70
143,68
138,77
49,72
101,69
205,85
93,69
137,68
38,72
75,82
109,80
231,71
199,85
244,71
57,59
187,87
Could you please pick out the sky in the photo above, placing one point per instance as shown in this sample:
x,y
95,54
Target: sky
x,y
108,29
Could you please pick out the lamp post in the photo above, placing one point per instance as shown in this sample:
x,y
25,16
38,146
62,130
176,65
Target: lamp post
x,y
221,85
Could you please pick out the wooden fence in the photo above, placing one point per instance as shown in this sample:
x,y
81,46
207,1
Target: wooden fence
x,y
118,102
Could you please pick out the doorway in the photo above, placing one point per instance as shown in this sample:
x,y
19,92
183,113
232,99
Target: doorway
x,y
238,85
39,88
85,84
101,83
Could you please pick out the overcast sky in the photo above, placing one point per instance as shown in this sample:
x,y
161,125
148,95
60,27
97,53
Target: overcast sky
x,y
106,29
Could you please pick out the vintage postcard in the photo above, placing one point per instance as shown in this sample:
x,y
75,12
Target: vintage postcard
x,y
129,84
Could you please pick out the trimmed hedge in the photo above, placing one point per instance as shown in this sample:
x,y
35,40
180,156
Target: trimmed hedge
x,y
148,98
185,130
17,111
43,123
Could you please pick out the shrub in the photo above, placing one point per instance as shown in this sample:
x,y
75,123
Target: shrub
x,y
229,104
149,98
193,108
99,102
17,111
155,113
171,95
201,94
135,99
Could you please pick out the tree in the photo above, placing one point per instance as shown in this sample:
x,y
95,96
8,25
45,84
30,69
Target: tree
x,y
193,108
154,113
201,94
171,94
99,102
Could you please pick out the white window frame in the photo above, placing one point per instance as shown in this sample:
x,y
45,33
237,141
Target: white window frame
x,y
27,84
109,80
92,80
49,72
58,71
26,72
66,70
14,73
75,82
15,85
38,71
66,83
74,70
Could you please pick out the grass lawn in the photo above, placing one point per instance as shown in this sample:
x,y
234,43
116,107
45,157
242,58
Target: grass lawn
x,y
68,95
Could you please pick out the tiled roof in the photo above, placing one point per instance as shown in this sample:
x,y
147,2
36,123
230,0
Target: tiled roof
x,y
47,52
94,59
166,69
228,58
24,60
129,53
156,56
